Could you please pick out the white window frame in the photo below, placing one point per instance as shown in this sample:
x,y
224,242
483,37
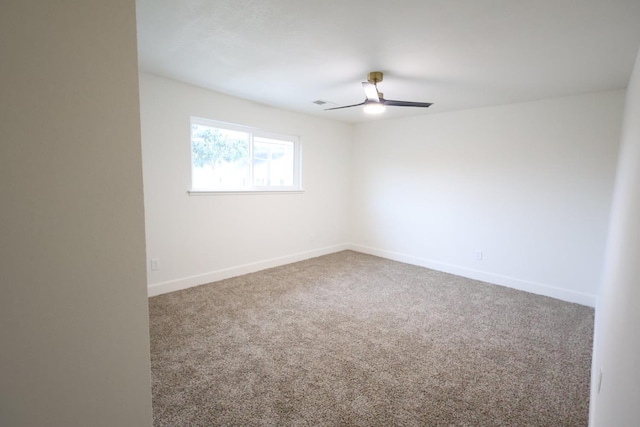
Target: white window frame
x,y
253,133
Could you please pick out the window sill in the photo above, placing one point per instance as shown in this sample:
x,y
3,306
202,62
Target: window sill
x,y
236,192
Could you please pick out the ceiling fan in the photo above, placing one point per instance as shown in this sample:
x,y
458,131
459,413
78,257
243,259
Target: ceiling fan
x,y
375,102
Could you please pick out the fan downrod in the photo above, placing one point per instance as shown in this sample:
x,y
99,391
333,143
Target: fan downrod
x,y
374,77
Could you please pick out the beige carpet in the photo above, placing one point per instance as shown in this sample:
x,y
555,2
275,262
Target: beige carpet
x,y
354,340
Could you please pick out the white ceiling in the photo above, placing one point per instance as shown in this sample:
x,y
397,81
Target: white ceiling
x,y
457,54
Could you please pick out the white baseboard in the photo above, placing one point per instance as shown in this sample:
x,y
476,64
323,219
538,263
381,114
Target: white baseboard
x,y
214,276
496,279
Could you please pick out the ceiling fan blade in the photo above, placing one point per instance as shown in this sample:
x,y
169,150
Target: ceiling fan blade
x,y
346,106
371,91
405,103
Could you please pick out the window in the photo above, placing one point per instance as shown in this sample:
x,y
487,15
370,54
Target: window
x,y
227,157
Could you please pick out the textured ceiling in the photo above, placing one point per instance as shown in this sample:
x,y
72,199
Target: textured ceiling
x,y
455,53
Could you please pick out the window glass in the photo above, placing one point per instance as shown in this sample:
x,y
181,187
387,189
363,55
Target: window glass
x,y
228,157
273,163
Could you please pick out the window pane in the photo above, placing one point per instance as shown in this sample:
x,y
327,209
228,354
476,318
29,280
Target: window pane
x,y
228,157
272,162
220,157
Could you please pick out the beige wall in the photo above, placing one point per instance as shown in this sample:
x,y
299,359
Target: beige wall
x,y
73,310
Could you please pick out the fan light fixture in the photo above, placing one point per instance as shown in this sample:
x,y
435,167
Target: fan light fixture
x,y
373,107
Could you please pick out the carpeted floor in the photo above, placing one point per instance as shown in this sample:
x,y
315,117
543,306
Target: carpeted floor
x,y
354,340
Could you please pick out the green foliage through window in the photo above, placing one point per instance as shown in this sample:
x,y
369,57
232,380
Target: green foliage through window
x,y
210,146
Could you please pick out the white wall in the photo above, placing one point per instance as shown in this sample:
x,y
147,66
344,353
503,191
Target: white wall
x,y
74,336
529,185
617,338
199,239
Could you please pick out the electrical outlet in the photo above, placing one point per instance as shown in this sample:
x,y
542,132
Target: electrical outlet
x,y
479,255
155,264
